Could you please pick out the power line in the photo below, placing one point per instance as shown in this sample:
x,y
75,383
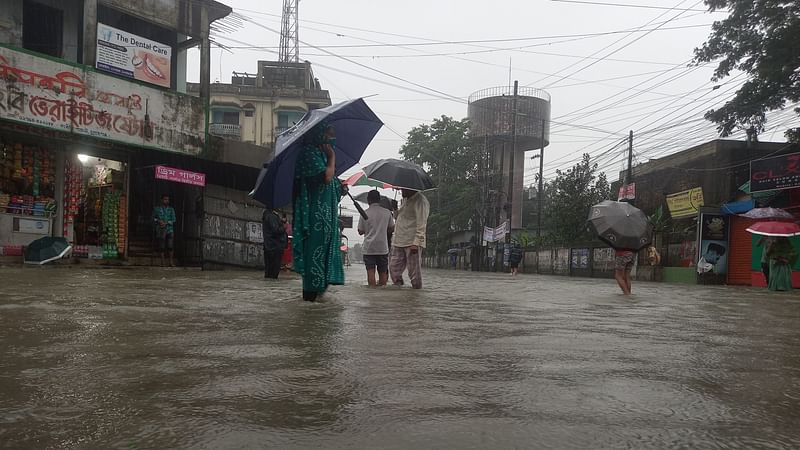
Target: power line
x,y
628,5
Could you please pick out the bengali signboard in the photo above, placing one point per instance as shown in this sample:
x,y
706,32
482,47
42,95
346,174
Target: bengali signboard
x,y
132,56
780,172
180,176
75,99
685,203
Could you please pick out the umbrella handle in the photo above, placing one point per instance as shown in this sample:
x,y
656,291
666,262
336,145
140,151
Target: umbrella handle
x,y
358,207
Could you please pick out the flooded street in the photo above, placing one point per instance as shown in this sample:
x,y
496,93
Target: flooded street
x,y
217,360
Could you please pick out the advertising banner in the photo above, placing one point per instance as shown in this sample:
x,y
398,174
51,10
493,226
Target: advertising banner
x,y
74,99
132,56
780,172
495,234
627,192
580,258
180,176
713,244
685,203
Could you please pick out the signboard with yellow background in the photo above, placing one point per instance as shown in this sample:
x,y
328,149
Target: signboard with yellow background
x,y
685,203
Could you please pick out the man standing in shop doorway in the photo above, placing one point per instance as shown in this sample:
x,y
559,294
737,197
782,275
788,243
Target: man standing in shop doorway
x,y
164,217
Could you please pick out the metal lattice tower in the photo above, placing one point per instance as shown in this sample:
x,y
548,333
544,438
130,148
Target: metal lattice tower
x,y
290,44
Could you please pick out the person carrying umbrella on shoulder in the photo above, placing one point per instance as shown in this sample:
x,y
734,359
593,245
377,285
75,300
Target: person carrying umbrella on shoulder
x,y
627,230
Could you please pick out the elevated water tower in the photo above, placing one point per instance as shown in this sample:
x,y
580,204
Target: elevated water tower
x,y
490,112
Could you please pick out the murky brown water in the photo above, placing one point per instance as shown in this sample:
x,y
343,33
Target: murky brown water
x,y
182,359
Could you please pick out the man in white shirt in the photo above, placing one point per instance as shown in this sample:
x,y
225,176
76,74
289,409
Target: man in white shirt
x,y
376,230
409,238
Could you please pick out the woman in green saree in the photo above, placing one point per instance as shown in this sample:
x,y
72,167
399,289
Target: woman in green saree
x,y
315,234
782,257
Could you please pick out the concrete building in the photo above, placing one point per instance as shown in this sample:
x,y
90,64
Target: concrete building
x,y
710,182
96,124
256,108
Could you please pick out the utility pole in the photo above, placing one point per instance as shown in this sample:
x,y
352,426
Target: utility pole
x,y
629,177
541,186
511,162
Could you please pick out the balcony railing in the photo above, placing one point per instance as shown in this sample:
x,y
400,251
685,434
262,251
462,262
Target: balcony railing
x,y
225,130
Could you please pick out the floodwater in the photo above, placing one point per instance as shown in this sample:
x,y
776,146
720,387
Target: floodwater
x,y
222,360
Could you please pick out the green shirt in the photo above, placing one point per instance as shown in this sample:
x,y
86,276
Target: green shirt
x,y
165,214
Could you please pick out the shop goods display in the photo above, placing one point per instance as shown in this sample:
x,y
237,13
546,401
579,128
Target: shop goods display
x,y
110,220
27,178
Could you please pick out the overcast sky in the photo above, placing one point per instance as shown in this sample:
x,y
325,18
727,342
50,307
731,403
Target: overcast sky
x,y
608,69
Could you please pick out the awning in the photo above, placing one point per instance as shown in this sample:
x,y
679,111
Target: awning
x,y
738,207
765,195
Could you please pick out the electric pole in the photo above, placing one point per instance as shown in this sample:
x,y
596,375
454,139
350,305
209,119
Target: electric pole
x,y
511,162
629,177
541,186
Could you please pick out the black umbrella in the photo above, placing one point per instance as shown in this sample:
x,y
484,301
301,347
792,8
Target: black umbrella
x,y
621,225
385,201
400,174
46,249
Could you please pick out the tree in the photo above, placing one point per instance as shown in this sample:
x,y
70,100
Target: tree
x,y
569,197
759,38
444,149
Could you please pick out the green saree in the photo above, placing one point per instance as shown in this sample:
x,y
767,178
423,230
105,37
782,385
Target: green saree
x,y
782,256
315,233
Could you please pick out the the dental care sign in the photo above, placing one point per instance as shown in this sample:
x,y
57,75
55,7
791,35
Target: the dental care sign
x,y
133,56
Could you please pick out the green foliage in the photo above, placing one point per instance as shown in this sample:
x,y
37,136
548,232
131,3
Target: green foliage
x,y
760,39
568,199
659,220
444,149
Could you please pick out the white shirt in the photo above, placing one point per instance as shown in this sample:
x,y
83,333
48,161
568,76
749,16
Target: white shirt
x,y
412,221
375,229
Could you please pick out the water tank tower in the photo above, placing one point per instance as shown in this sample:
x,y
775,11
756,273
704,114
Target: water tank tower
x,y
490,112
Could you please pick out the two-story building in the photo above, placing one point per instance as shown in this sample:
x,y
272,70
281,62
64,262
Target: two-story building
x,y
256,108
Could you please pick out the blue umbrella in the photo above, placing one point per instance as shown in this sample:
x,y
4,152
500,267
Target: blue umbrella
x,y
355,125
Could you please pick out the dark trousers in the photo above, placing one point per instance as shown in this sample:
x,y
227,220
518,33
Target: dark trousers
x,y
272,263
765,270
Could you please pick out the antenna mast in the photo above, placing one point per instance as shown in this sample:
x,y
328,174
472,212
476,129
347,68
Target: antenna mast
x,y
290,44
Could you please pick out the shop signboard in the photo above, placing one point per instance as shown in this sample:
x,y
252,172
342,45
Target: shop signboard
x,y
713,244
685,203
779,172
76,99
180,176
627,192
132,56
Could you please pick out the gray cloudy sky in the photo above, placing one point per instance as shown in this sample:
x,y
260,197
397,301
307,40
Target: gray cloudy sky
x,y
609,69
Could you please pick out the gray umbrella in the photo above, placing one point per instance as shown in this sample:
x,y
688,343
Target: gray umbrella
x,y
400,174
386,202
621,225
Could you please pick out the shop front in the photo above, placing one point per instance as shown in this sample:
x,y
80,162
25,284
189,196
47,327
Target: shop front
x,y
67,136
96,206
